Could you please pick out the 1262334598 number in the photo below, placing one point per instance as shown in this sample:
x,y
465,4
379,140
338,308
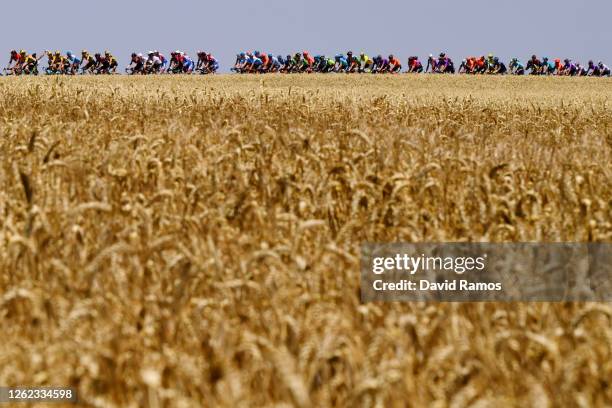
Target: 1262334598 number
x,y
37,394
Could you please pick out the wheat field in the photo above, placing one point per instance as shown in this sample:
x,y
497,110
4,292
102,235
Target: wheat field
x,y
194,241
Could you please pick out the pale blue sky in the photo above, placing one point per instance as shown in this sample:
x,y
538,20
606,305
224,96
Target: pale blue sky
x,y
578,29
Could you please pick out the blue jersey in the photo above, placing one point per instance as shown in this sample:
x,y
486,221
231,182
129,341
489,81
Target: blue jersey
x,y
188,63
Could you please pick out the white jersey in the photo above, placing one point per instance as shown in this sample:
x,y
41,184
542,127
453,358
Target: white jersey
x,y
154,60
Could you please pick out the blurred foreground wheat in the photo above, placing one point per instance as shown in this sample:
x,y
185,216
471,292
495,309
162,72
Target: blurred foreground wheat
x,y
194,241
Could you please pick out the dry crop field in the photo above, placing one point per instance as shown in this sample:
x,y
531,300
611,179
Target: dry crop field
x,y
192,241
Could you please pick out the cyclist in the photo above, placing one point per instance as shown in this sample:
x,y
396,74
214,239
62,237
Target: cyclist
x,y
414,65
